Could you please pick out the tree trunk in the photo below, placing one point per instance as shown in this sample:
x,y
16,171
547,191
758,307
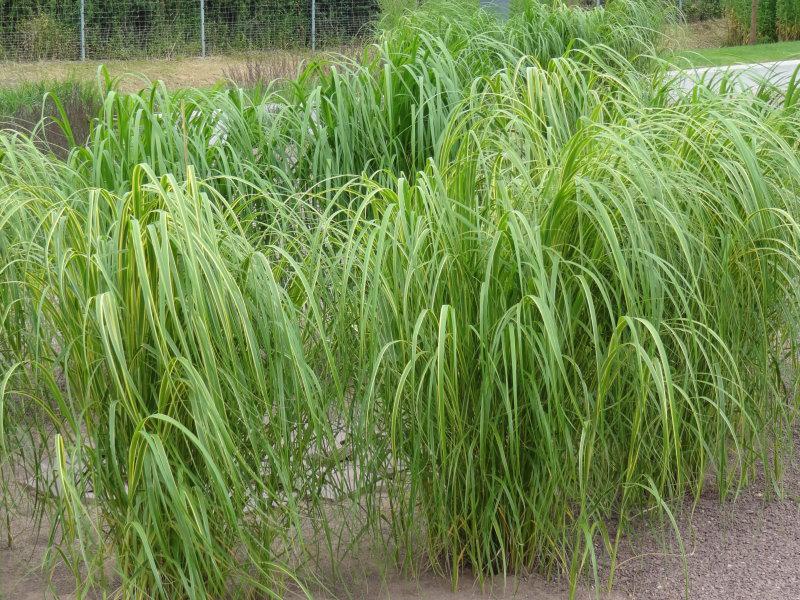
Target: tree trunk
x,y
753,21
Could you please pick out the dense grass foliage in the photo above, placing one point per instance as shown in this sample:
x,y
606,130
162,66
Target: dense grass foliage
x,y
385,113
464,302
560,312
150,372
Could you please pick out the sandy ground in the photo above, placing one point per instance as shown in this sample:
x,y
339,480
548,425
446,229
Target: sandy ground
x,y
21,573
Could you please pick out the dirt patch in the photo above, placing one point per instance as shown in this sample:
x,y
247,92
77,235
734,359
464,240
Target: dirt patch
x,y
431,587
748,551
364,576
187,72
711,33
22,578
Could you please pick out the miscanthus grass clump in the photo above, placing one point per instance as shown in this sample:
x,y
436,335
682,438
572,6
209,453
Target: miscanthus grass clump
x,y
554,316
539,294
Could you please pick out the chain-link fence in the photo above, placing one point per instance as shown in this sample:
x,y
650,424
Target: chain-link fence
x,y
106,29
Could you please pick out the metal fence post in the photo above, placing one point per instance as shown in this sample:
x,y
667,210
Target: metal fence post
x,y
203,28
313,25
83,30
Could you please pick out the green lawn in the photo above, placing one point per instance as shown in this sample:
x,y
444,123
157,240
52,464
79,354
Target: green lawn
x,y
708,57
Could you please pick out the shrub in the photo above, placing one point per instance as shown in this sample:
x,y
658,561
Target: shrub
x,y
738,12
126,28
701,10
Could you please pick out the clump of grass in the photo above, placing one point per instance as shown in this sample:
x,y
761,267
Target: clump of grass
x,y
554,318
181,317
261,72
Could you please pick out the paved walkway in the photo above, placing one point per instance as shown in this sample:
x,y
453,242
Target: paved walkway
x,y
748,76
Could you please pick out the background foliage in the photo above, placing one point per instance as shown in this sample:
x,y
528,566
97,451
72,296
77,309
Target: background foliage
x,y
36,29
699,10
787,19
777,19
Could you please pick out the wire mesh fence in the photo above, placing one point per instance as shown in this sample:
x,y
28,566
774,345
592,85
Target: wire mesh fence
x,y
108,29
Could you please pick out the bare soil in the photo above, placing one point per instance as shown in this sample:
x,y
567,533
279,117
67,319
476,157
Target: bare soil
x,y
739,550
711,33
22,576
432,587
